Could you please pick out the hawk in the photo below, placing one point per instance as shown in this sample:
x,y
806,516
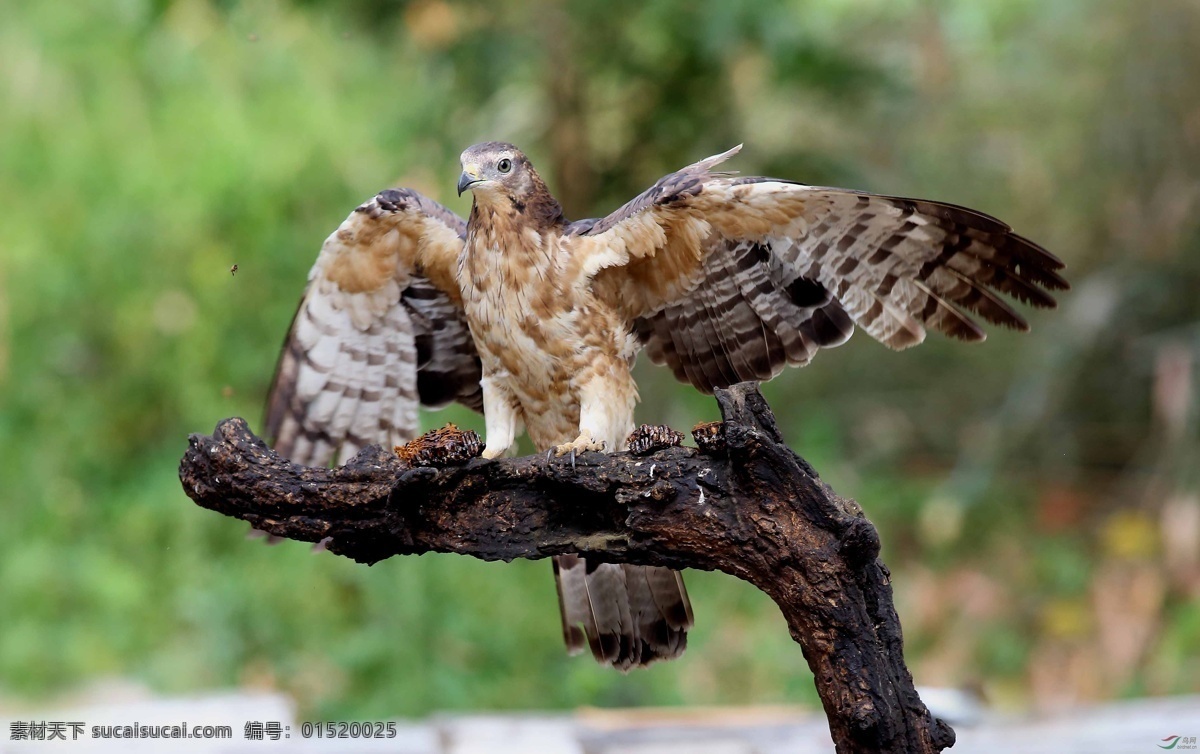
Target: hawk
x,y
537,320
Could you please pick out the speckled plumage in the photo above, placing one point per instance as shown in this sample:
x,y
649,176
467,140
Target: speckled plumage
x,y
539,320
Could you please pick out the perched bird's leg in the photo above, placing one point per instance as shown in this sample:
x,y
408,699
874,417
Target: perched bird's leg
x,y
581,444
605,413
499,416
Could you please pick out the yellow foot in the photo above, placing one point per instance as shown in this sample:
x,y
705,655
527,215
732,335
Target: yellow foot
x,y
491,453
581,444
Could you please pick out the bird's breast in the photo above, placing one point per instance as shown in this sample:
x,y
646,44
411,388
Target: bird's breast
x,y
533,330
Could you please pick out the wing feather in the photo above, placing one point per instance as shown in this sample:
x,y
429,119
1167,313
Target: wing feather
x,y
378,332
728,278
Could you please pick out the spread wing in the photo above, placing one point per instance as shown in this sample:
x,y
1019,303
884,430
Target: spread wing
x,y
728,278
379,331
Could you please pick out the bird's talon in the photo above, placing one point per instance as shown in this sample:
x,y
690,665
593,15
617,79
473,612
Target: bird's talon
x,y
582,444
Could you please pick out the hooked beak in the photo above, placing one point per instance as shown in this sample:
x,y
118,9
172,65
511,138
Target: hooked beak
x,y
470,176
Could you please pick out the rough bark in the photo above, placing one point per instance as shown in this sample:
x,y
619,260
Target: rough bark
x,y
742,503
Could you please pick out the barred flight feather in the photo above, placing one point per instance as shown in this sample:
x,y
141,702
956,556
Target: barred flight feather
x,y
373,337
893,266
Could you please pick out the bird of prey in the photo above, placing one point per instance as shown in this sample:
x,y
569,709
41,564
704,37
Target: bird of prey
x,y
537,321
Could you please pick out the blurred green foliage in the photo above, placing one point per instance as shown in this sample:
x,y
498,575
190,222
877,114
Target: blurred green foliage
x,y
1037,496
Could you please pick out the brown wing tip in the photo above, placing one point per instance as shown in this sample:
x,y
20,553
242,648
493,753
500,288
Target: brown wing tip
x,y
1021,326
1035,297
1012,320
1042,276
957,325
1039,265
1055,282
1048,259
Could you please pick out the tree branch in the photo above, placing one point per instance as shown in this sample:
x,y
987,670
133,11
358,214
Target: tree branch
x,y
742,503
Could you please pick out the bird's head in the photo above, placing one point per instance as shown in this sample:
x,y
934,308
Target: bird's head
x,y
494,169
502,179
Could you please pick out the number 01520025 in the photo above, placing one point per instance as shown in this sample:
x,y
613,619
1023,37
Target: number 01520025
x,y
348,730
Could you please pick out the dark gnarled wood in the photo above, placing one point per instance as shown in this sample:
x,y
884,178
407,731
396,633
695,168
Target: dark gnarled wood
x,y
746,505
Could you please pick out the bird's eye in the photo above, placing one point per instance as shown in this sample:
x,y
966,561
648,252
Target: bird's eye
x,y
504,165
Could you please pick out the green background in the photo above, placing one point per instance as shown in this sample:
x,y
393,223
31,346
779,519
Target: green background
x,y
1037,495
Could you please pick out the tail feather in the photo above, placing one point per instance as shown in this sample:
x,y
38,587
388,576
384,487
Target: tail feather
x,y
669,595
629,616
572,602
